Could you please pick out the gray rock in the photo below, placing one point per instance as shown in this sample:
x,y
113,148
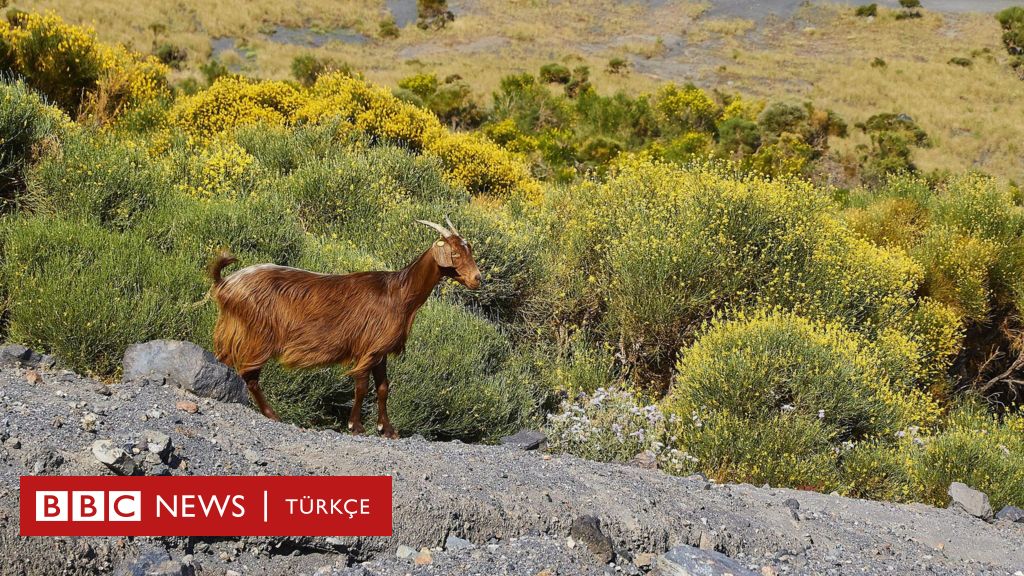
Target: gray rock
x,y
690,561
405,552
646,459
587,529
1011,514
526,440
13,443
114,457
974,502
18,355
792,503
456,543
185,365
158,443
254,457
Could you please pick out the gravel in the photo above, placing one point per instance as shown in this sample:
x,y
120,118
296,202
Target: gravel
x,y
515,507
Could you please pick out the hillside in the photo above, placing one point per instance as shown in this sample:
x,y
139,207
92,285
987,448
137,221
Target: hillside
x,y
819,52
515,507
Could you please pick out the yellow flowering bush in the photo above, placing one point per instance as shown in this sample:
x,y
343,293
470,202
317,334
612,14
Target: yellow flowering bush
x,y
69,66
232,102
481,165
686,108
220,169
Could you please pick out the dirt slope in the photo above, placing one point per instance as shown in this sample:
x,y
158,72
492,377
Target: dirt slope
x,y
515,507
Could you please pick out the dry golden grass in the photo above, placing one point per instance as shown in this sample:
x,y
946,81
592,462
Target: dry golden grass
x,y
974,115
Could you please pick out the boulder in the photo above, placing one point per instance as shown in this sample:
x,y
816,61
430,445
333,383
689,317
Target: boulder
x,y
690,561
974,502
526,440
587,529
185,365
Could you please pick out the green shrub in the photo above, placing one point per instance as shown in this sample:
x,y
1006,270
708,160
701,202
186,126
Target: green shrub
x,y
85,293
455,380
306,68
373,197
618,66
257,229
961,61
978,450
579,83
212,70
910,3
387,28
786,450
685,109
769,364
877,62
648,255
553,73
280,150
867,11
26,125
171,55
1012,22
99,178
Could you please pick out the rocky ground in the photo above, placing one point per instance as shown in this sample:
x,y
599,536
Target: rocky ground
x,y
458,509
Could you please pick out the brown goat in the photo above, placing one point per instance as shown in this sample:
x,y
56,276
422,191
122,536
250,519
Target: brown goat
x,y
306,319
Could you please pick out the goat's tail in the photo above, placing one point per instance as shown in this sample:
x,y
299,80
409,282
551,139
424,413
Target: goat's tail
x,y
220,260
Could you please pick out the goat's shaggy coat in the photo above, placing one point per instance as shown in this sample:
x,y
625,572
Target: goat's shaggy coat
x,y
307,319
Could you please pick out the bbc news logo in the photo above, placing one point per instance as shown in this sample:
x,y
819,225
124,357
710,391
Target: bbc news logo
x,y
206,506
88,506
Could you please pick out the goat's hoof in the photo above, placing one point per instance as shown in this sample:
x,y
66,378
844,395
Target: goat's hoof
x,y
356,428
272,415
387,431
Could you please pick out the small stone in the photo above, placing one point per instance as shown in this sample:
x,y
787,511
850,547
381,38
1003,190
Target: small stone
x,y
792,503
158,443
456,543
708,540
974,502
89,422
103,390
113,457
33,377
526,440
423,558
545,572
687,560
1011,514
13,443
769,571
646,459
587,529
187,406
232,573
570,542
643,560
254,457
405,552
155,413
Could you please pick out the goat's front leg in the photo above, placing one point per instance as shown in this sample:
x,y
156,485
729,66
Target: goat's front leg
x,y
355,420
380,378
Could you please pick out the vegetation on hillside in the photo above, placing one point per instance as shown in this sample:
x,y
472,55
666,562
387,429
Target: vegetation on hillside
x,y
659,275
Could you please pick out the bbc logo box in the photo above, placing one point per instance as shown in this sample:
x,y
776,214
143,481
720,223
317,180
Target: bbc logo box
x,y
88,506
205,506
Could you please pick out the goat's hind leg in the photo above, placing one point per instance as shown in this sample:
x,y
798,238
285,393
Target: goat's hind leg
x,y
355,419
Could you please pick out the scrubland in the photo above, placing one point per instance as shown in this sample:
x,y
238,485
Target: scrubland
x,y
734,283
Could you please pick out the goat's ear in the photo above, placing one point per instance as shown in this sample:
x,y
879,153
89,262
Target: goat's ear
x,y
443,254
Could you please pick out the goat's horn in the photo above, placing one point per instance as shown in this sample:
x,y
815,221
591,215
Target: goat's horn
x,y
441,229
450,225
